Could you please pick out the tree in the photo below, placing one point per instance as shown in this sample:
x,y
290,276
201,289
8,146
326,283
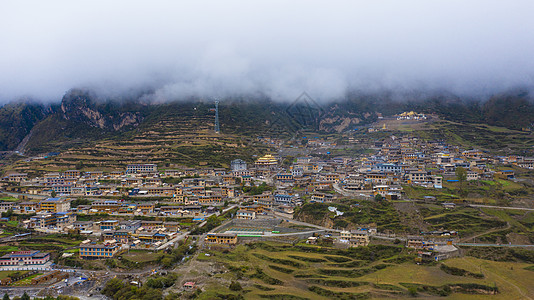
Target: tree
x,y
6,297
288,161
79,201
53,194
378,197
7,214
112,287
167,261
235,286
25,297
461,175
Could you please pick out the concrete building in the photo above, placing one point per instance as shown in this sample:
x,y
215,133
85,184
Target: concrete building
x,y
245,215
21,258
54,205
17,177
72,174
92,251
238,165
355,238
227,239
141,168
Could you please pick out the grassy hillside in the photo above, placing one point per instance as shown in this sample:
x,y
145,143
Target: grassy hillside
x,y
285,271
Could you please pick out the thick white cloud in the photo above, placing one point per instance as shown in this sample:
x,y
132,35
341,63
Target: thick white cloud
x,y
279,48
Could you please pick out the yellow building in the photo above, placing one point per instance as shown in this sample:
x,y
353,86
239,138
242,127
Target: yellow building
x,y
54,205
221,238
72,174
89,251
266,161
356,238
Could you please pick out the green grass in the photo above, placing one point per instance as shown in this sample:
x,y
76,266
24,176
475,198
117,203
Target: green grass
x,y
492,138
5,274
7,248
466,221
383,214
26,281
141,257
9,199
385,275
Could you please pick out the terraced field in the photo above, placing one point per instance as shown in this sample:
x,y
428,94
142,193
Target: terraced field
x,y
281,271
170,142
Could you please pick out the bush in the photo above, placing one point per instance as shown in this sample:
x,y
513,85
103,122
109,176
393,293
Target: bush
x,y
265,278
281,269
161,282
117,289
459,272
235,286
337,295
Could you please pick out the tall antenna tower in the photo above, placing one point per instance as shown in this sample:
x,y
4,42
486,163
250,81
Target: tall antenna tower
x,y
217,129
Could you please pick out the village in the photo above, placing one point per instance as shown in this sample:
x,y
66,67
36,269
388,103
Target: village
x,y
145,208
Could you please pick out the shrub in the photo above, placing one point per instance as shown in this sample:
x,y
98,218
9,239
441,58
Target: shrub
x,y
412,291
235,286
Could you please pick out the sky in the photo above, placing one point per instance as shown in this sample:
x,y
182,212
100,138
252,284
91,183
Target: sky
x,y
275,48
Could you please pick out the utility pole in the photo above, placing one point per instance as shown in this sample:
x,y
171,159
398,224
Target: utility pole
x,y
217,128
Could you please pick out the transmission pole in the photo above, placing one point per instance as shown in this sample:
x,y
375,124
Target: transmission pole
x,y
217,129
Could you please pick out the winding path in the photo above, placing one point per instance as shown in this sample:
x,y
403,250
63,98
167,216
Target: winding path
x,y
503,280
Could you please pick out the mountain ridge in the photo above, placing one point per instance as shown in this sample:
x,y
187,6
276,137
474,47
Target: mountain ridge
x,y
84,116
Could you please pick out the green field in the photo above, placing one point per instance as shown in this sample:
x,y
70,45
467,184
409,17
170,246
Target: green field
x,y
481,191
8,198
8,248
141,256
5,274
281,271
27,280
481,136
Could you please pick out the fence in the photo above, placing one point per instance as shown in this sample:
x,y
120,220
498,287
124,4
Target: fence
x,y
37,269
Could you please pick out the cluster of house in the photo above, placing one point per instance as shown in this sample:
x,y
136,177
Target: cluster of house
x,y
137,180
57,214
146,208
108,238
395,162
347,238
431,250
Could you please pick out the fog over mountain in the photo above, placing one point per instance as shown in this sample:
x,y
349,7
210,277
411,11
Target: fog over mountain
x,y
275,48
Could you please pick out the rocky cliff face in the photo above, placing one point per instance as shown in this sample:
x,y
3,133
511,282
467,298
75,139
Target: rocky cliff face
x,y
83,107
325,221
17,120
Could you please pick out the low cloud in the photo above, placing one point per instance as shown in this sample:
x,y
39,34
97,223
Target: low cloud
x,y
272,48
